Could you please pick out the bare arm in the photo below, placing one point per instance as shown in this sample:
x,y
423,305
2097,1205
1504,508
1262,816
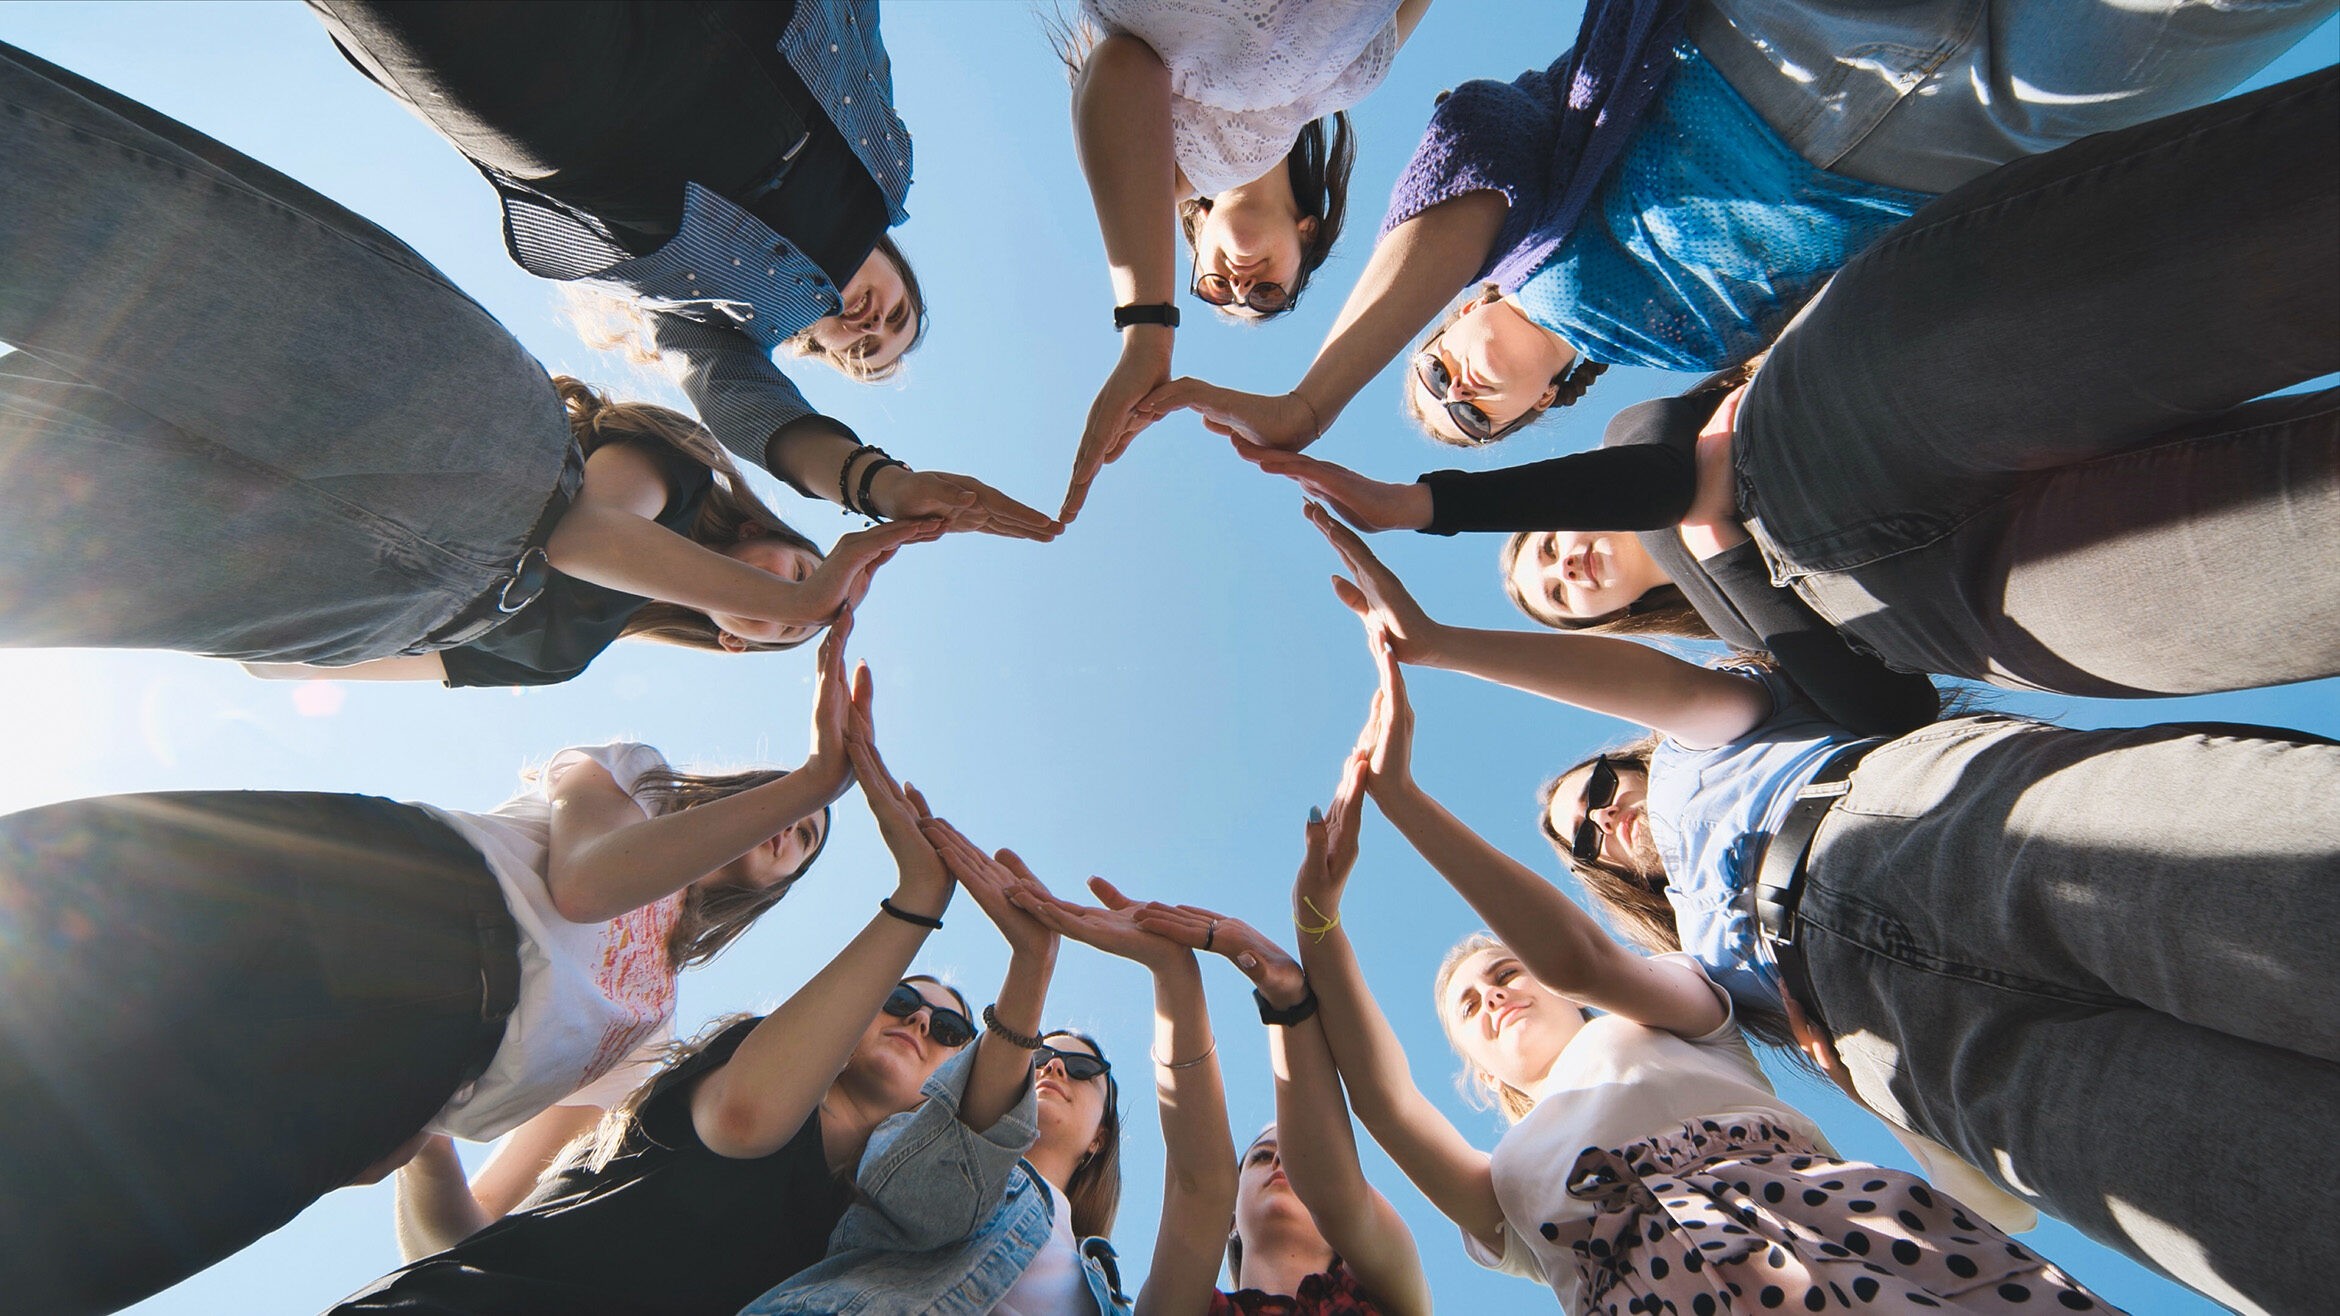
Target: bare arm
x,y
404,667
434,1208
1409,15
1002,1071
756,1102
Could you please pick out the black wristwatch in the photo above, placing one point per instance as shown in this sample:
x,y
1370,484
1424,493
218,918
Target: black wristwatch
x,y
1285,1018
1161,313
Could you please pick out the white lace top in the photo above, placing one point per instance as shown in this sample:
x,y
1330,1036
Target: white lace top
x,y
1247,75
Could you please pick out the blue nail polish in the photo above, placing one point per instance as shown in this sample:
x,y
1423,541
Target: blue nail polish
x,y
1315,815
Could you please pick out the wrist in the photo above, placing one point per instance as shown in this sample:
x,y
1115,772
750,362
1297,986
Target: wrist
x,y
883,485
922,899
1148,340
1419,507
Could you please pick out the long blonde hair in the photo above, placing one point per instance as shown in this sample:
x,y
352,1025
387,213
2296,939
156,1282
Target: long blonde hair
x,y
730,513
1482,1089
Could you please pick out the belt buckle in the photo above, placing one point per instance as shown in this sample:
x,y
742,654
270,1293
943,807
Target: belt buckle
x,y
530,573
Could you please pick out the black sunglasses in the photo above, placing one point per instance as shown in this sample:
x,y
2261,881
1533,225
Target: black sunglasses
x,y
946,1026
1476,425
1079,1066
1599,789
1265,298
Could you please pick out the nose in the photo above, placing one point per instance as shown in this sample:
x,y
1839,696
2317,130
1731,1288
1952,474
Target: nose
x,y
1054,1067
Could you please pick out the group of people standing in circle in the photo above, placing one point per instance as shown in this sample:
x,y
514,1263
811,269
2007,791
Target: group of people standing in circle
x,y
1996,316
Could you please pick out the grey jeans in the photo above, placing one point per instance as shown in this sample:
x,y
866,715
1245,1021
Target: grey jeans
x,y
2022,437
241,420
2104,967
1926,94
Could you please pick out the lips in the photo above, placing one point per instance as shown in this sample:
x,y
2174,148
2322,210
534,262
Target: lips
x,y
1506,1013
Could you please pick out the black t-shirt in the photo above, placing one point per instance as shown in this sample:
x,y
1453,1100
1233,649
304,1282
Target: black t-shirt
x,y
1643,480
572,621
667,1227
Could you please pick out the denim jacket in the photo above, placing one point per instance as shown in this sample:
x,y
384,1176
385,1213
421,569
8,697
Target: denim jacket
x,y
945,1219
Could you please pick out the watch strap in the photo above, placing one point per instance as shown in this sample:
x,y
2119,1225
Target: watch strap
x,y
1161,313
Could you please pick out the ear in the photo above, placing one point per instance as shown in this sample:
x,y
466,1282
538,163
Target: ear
x,y
730,642
1308,227
1550,395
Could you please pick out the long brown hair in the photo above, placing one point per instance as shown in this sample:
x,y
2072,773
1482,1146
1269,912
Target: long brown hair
x,y
1661,609
855,365
731,512
1634,901
1093,1192
1572,381
714,915
1318,168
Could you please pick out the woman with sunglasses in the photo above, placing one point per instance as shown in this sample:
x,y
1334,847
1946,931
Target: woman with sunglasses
x,y
727,172
1994,921
269,431
1233,120
1676,185
727,1172
223,1004
1039,1249
2055,504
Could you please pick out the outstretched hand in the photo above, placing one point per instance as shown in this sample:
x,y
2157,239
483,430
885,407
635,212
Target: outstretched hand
x,y
832,710
1117,417
1114,928
960,502
1285,421
1331,849
899,811
1370,505
1268,965
842,579
1001,884
1376,595
1390,765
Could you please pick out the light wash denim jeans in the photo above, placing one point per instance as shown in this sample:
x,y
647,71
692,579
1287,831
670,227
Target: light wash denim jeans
x,y
2104,967
1926,94
242,421
2022,438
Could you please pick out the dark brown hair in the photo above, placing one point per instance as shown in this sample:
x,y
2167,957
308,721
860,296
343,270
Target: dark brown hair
x,y
1094,1191
1318,168
714,915
855,365
1661,609
731,512
1571,381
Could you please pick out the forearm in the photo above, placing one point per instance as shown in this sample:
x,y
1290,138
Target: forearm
x,y
432,1205
402,667
1313,1134
1003,1070
810,453
1636,487
1695,705
600,877
632,554
1198,1161
1415,271
1121,129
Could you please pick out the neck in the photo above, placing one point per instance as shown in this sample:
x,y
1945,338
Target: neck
x,y
1278,1268
1562,353
1271,192
1055,1164
848,1117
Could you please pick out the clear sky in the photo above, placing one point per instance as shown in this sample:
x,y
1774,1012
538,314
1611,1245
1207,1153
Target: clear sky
x,y
1159,696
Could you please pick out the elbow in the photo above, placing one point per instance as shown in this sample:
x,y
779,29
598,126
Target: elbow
x,y
734,1125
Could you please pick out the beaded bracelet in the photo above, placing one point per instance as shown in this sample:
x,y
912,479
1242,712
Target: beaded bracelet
x,y
845,476
869,476
1025,1041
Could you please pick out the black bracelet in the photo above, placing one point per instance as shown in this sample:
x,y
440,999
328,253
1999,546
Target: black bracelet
x,y
869,476
914,920
1285,1018
1024,1041
1161,313
845,476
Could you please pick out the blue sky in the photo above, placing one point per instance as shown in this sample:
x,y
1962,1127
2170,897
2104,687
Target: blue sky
x,y
1158,697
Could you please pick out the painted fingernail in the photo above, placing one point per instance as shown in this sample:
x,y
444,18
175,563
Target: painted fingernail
x,y
1315,815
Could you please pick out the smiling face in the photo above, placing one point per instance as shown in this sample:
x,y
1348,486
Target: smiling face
x,y
896,1056
1623,823
879,319
1072,1111
1509,1026
1568,578
1490,356
778,557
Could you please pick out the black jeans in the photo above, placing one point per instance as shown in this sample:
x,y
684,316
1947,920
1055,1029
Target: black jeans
x,y
218,1007
2016,440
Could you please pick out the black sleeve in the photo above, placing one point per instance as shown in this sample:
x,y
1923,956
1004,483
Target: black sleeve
x,y
1640,487
467,666
1856,691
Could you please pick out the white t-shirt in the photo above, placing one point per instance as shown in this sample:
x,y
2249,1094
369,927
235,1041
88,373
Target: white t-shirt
x,y
1615,1083
596,999
1053,1284
1247,75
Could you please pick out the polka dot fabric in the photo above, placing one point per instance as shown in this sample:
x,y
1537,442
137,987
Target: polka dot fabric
x,y
1736,1214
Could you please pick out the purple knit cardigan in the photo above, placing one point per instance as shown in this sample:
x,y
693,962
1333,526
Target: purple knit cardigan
x,y
1545,154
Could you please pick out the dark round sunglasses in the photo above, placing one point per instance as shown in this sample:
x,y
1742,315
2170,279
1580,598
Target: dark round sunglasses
x,y
1599,790
946,1026
1476,425
1265,298
1079,1066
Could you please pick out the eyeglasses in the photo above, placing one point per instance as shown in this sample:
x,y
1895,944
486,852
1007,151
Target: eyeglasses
x,y
1265,298
1476,425
1079,1066
946,1026
1599,790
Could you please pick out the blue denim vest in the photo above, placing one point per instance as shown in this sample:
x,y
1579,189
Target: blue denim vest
x,y
945,1219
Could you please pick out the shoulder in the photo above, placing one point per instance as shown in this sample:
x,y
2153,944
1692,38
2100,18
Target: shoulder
x,y
625,762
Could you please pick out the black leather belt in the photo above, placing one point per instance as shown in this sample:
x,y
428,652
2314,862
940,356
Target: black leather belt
x,y
530,572
1779,875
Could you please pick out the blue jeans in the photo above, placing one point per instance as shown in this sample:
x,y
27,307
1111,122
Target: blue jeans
x,y
2022,438
219,1006
1927,94
2104,967
242,421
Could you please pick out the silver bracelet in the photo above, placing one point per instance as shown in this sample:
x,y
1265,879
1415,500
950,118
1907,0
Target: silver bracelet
x,y
1208,1052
